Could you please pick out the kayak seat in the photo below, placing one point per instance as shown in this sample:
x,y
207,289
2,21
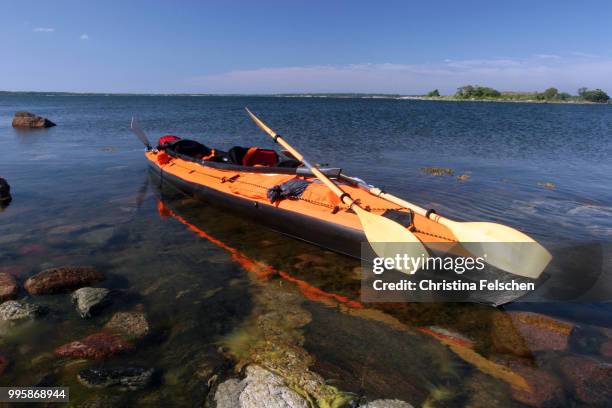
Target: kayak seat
x,y
191,148
291,163
252,156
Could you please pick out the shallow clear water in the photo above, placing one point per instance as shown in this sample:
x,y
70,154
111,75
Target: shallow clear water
x,y
82,195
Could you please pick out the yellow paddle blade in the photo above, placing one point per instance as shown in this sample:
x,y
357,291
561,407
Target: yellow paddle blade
x,y
388,238
505,248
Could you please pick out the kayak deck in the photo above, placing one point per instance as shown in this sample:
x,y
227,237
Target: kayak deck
x,y
249,186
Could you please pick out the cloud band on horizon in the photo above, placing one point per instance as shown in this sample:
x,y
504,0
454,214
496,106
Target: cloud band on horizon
x,y
537,72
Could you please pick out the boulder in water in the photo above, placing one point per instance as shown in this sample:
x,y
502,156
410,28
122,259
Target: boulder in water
x,y
88,300
5,191
131,325
8,287
62,279
260,388
14,310
97,346
30,120
590,380
125,378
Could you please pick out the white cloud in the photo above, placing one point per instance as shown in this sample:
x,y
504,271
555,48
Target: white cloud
x,y
44,30
547,56
84,37
567,73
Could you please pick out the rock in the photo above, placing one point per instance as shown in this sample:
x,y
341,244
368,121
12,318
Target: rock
x,y
521,333
125,378
438,171
29,120
8,287
5,191
129,324
588,340
98,237
387,403
590,380
548,184
62,279
606,349
545,389
4,363
260,388
14,310
88,300
228,393
265,389
97,346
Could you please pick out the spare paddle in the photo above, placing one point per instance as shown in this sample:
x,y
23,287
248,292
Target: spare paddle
x,y
506,248
386,237
140,133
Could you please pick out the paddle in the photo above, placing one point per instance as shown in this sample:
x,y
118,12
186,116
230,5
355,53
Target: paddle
x,y
382,233
140,133
505,248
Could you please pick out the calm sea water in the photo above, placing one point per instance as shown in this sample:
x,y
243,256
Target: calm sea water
x,y
81,195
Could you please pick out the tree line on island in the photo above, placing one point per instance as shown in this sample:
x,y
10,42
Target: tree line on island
x,y
477,92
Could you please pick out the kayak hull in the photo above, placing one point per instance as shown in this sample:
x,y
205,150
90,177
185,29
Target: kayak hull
x,y
328,235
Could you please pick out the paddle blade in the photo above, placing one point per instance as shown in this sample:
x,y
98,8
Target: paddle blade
x,y
506,248
388,238
140,133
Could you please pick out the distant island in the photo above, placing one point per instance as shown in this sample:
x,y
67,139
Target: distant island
x,y
483,93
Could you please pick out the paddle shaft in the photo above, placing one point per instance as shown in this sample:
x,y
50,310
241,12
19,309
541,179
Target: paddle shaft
x,y
396,200
344,197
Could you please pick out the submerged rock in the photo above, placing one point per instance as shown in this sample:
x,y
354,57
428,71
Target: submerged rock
x,y
29,120
88,300
62,279
14,310
98,237
5,191
97,346
129,324
387,403
438,171
591,380
260,388
522,333
544,389
125,378
8,287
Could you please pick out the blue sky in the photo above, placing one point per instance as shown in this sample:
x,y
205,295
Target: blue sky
x,y
406,47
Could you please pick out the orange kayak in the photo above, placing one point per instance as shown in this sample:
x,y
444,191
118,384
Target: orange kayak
x,y
316,216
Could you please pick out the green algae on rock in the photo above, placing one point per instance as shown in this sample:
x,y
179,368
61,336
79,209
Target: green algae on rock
x,y
438,171
272,338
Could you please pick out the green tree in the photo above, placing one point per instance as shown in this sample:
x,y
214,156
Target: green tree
x,y
434,93
550,93
564,96
594,95
476,92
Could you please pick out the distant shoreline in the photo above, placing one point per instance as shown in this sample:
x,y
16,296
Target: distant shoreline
x,y
310,95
